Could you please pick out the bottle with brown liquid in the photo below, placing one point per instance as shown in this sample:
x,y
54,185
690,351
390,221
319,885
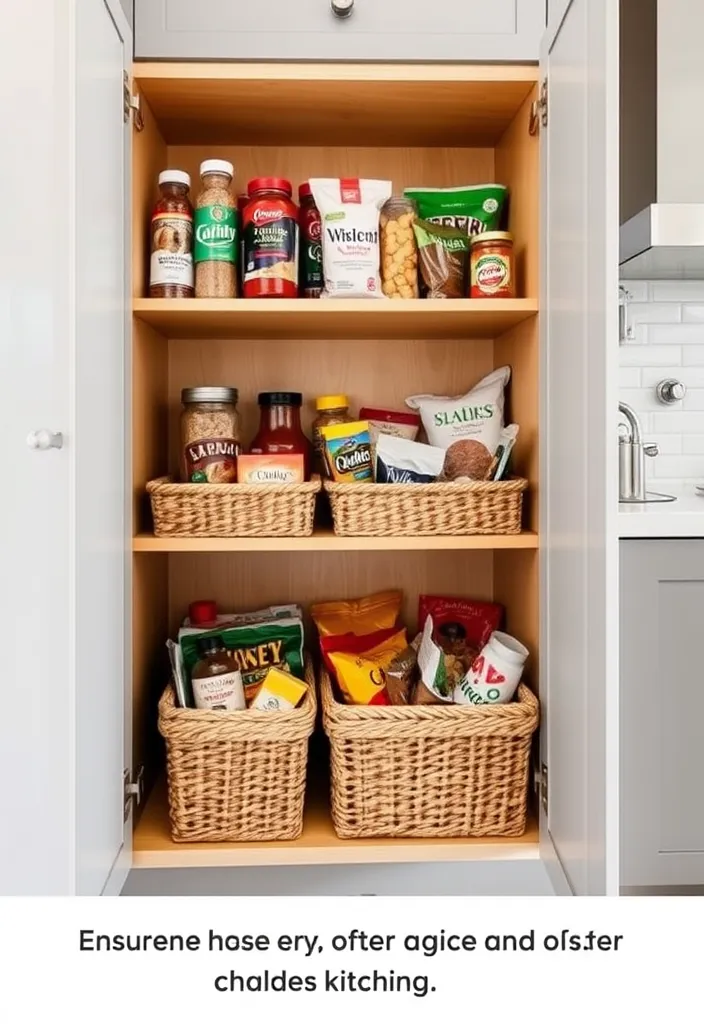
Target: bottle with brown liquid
x,y
216,685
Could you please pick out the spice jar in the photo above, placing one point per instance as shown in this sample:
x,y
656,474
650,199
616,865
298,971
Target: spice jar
x,y
216,247
311,254
331,409
280,431
399,250
491,266
171,265
210,435
270,221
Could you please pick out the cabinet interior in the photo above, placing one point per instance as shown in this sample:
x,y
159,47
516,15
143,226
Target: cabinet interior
x,y
438,126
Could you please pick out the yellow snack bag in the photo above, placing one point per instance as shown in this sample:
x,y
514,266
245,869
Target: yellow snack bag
x,y
358,616
361,676
280,691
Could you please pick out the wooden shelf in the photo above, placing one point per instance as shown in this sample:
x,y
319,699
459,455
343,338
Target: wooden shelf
x,y
334,104
153,847
325,540
333,320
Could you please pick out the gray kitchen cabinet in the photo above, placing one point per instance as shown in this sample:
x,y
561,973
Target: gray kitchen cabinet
x,y
408,30
662,712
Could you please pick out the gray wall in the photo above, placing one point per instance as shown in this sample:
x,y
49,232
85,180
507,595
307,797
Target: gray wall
x,y
128,8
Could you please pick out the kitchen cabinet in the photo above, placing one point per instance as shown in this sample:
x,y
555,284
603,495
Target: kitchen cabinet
x,y
451,123
397,30
662,711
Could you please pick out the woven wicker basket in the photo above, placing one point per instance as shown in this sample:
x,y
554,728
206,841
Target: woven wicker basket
x,y
426,510
236,776
429,771
232,510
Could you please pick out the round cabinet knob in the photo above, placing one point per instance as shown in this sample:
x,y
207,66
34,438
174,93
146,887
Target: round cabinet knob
x,y
42,440
342,8
670,391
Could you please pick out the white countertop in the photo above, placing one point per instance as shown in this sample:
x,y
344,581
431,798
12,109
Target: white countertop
x,y
681,518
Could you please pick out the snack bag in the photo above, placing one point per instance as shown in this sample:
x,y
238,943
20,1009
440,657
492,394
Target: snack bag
x,y
359,663
433,686
461,627
443,259
471,209
348,452
349,212
401,675
359,616
399,461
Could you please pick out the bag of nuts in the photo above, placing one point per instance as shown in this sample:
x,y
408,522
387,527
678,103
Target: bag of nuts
x,y
399,251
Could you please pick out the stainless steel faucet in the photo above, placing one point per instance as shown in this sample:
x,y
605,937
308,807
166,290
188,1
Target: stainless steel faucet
x,y
631,461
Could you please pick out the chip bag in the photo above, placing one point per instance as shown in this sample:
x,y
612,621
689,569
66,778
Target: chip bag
x,y
359,663
359,616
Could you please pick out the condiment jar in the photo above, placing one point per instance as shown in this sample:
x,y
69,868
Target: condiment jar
x,y
491,266
311,254
270,221
399,249
216,247
171,264
210,435
331,409
217,686
280,431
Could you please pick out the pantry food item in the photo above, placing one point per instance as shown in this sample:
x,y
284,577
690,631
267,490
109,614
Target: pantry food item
x,y
216,245
399,252
203,613
348,452
349,211
270,225
503,452
461,626
467,460
280,691
478,415
360,615
217,685
472,209
254,648
495,673
210,435
491,266
401,675
310,264
331,409
171,264
399,461
270,469
280,431
359,663
433,684
389,421
443,254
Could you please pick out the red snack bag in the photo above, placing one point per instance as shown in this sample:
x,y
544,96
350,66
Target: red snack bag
x,y
462,625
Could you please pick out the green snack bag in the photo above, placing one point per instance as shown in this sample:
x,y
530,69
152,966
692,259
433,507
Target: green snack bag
x,y
443,260
254,649
472,209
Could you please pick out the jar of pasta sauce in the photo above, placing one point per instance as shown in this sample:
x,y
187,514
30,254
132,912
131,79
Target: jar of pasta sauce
x,y
491,266
270,221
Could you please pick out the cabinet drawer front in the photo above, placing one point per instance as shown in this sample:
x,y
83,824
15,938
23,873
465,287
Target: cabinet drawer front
x,y
309,30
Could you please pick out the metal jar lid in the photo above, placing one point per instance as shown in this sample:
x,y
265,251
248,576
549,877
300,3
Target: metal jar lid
x,y
189,395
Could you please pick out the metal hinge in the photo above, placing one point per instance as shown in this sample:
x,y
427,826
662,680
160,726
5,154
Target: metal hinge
x,y
131,104
541,784
539,110
133,789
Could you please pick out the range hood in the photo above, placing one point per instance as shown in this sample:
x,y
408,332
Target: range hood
x,y
662,139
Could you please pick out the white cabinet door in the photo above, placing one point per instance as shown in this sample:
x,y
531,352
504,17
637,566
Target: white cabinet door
x,y
579,502
64,520
412,30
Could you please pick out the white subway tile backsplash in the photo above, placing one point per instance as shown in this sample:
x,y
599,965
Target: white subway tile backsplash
x,y
650,355
641,399
674,466
672,421
693,314
638,291
694,400
691,376
675,334
669,444
677,291
629,377
654,313
693,355
693,444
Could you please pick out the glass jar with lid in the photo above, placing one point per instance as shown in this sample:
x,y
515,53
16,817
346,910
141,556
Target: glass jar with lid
x,y
171,262
280,431
331,409
210,435
399,249
216,248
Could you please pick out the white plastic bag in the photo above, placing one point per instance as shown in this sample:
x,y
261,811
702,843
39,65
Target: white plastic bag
x,y
349,212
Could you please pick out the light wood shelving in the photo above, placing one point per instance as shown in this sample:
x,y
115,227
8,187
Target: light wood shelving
x,y
317,319
154,848
326,540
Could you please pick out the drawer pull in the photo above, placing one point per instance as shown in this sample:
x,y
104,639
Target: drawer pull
x,y
342,8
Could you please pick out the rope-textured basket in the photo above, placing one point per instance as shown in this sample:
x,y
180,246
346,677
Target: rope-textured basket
x,y
232,510
426,510
429,771
236,776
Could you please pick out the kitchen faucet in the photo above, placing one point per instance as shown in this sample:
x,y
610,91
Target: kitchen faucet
x,y
631,461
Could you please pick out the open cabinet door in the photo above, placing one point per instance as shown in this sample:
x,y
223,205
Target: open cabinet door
x,y
63,364
579,398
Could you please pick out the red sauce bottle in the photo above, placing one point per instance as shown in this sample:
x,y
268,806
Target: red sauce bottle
x,y
270,223
280,431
